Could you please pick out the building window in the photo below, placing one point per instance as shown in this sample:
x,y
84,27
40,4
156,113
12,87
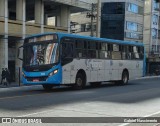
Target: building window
x,y
133,8
158,48
132,26
154,33
133,35
83,27
113,8
155,19
155,5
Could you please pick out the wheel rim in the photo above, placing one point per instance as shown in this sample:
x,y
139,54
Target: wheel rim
x,y
79,81
125,78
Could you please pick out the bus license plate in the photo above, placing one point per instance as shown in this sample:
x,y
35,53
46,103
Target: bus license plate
x,y
35,80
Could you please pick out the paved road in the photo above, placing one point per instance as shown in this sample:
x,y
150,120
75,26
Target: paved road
x,y
140,98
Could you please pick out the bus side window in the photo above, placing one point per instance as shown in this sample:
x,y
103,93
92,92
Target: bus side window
x,y
81,46
103,51
110,49
67,50
136,52
116,53
126,52
141,52
92,50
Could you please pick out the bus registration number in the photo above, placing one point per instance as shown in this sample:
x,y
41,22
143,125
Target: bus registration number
x,y
35,80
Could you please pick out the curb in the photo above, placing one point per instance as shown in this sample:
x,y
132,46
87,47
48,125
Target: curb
x,y
147,77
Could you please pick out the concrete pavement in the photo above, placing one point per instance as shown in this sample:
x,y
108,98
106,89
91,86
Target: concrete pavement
x,y
12,84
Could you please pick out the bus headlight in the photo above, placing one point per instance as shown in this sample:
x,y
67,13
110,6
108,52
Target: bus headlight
x,y
54,72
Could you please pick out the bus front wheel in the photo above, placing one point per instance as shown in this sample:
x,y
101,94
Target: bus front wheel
x,y
47,87
80,81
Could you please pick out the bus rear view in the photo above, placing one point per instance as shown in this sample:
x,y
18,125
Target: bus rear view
x,y
41,62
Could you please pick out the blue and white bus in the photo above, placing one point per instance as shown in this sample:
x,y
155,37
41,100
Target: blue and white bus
x,y
54,59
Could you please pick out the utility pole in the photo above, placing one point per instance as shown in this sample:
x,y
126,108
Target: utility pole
x,y
98,18
92,20
92,16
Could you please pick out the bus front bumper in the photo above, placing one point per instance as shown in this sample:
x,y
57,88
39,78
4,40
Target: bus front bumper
x,y
55,79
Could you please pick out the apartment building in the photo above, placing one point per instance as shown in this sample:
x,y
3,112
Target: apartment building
x,y
151,34
81,22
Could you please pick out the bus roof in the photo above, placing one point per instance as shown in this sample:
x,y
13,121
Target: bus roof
x,y
60,34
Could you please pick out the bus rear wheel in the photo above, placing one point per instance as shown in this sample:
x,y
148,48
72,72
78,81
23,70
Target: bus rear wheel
x,y
125,78
47,87
80,81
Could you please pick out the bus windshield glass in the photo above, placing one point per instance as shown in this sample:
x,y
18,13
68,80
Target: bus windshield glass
x,y
43,52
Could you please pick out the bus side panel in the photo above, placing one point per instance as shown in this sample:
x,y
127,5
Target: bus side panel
x,y
121,65
81,64
134,67
114,69
70,71
139,69
107,70
66,73
101,71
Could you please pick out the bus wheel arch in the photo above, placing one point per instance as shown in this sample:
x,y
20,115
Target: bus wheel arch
x,y
80,80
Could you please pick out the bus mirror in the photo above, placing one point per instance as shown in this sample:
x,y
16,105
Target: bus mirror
x,y
20,53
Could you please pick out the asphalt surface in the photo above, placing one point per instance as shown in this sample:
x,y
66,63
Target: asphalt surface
x,y
140,98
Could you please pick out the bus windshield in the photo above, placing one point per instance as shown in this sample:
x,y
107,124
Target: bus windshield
x,y
41,53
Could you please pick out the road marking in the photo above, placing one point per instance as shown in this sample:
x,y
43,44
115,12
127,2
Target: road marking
x,y
125,124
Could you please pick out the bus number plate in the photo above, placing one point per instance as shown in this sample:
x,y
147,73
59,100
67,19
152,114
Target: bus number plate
x,y
35,80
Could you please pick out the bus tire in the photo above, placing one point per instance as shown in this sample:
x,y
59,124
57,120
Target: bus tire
x,y
125,78
80,81
47,87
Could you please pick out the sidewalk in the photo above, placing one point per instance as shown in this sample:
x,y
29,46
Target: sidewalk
x,y
12,84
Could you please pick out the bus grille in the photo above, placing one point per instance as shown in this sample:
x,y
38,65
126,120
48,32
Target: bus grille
x,y
37,78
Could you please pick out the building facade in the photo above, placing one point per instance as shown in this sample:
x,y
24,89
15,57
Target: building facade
x,y
21,18
84,23
151,36
122,19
